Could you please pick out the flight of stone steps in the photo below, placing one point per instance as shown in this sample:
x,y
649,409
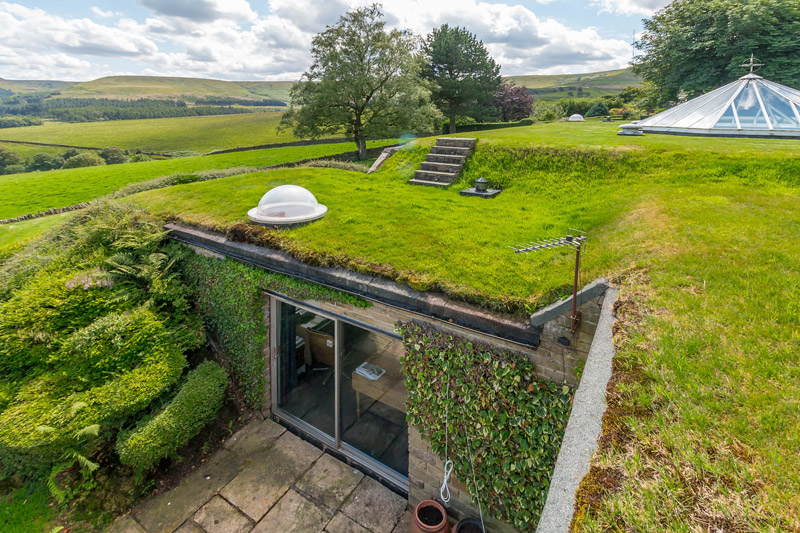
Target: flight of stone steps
x,y
444,162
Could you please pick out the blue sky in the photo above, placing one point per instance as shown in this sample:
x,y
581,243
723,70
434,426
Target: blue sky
x,y
263,40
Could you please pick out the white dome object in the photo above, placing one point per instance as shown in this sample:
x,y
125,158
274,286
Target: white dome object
x,y
287,205
749,107
576,118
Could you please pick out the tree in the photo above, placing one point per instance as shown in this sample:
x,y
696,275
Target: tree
x,y
70,152
45,161
599,109
113,155
8,158
464,78
693,46
86,159
364,80
515,103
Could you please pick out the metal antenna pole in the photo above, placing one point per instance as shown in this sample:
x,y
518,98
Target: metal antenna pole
x,y
577,242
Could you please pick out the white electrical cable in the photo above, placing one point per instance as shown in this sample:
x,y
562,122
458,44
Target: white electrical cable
x,y
444,490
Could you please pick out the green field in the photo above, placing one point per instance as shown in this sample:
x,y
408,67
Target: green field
x,y
702,236
175,87
594,84
33,86
27,150
37,191
197,134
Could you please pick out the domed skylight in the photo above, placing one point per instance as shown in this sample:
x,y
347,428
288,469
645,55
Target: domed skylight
x,y
287,205
576,118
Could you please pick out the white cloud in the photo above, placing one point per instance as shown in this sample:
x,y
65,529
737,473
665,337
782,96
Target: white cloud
x,y
227,39
100,13
631,7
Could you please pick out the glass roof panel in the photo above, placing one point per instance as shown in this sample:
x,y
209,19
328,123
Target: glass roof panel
x,y
727,120
751,117
779,110
693,110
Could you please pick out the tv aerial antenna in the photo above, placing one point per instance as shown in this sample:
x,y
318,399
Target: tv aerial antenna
x,y
576,240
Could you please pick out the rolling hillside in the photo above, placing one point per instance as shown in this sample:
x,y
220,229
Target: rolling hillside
x,y
545,86
167,87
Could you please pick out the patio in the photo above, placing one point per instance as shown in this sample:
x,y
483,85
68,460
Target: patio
x,y
267,479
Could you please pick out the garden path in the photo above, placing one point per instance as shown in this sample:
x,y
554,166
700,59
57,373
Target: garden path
x,y
266,479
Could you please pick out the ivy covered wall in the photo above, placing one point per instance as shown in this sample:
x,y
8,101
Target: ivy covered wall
x,y
228,295
501,419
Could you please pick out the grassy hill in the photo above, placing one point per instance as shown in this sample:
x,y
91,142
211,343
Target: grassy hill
x,y
33,86
197,134
172,87
593,84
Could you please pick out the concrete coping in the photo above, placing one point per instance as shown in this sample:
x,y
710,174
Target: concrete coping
x,y
583,429
554,310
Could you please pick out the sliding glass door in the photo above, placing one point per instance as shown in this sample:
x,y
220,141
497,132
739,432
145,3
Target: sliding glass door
x,y
342,382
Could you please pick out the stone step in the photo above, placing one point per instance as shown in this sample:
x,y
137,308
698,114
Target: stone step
x,y
431,175
444,158
441,167
415,181
450,150
462,142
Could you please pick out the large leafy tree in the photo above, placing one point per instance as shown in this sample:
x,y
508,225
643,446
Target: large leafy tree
x,y
693,46
464,77
364,80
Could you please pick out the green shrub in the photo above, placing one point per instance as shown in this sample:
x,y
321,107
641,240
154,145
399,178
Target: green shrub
x,y
40,315
333,163
600,109
70,152
502,421
138,158
38,403
195,405
8,157
45,161
14,169
547,112
86,159
113,155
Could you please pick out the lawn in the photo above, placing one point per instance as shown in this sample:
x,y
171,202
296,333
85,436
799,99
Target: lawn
x,y
702,236
13,236
196,134
38,191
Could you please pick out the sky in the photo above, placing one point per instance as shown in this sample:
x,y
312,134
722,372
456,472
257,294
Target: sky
x,y
79,40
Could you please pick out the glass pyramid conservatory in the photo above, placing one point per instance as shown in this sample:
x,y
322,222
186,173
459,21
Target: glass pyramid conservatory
x,y
748,107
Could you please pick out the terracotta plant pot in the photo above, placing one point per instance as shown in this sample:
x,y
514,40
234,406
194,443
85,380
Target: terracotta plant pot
x,y
426,512
469,525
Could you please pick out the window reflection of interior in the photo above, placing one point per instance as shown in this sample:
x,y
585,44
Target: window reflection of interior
x,y
372,388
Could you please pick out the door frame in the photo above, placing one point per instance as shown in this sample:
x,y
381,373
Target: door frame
x,y
334,442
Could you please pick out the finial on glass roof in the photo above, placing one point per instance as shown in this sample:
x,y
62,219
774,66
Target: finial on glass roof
x,y
752,63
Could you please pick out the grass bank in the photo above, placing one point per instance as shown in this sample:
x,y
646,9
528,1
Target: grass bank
x,y
37,191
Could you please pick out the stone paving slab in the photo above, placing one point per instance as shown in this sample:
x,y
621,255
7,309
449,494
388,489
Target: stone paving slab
x,y
269,475
374,506
189,527
329,481
218,516
342,524
125,524
293,514
254,438
165,512
404,524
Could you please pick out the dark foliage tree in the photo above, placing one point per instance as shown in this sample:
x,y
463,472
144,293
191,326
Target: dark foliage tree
x,y
8,158
45,161
364,80
113,155
86,159
70,152
693,46
515,103
599,109
464,78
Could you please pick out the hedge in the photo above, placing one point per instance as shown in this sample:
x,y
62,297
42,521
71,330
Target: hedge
x,y
502,420
195,405
229,296
482,126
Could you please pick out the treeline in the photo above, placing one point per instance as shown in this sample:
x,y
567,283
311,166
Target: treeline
x,y
40,105
16,121
226,100
13,163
